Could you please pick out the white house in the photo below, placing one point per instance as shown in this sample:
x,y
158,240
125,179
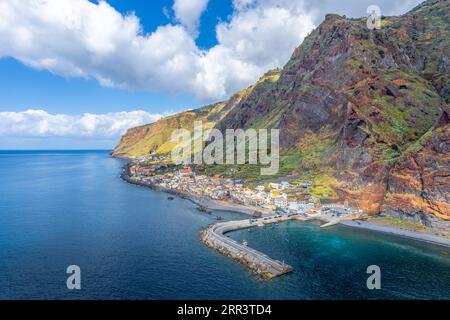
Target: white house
x,y
293,205
284,185
280,202
260,188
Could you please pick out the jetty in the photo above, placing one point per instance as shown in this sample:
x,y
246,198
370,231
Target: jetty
x,y
215,237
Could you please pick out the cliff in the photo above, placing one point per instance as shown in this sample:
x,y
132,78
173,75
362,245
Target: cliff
x,y
363,111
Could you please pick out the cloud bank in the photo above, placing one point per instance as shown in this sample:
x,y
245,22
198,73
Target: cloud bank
x,y
39,123
78,38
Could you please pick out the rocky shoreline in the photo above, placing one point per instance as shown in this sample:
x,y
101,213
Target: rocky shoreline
x,y
201,203
212,205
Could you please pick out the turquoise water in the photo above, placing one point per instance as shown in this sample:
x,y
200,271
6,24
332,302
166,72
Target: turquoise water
x,y
63,208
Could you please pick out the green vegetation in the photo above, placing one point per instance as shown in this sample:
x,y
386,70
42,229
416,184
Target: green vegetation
x,y
156,137
323,187
249,172
323,184
314,150
395,115
419,144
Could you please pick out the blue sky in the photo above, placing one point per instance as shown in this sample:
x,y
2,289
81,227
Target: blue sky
x,y
152,15
75,74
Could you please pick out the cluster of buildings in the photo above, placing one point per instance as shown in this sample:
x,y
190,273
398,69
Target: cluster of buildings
x,y
272,196
152,157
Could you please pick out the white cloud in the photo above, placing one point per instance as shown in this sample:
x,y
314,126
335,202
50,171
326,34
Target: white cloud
x,y
188,12
243,4
39,123
78,38
261,35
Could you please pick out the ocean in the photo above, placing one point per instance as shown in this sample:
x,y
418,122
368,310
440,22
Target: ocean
x,y
61,208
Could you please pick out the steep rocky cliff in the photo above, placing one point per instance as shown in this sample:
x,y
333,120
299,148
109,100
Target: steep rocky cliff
x,y
374,103
418,185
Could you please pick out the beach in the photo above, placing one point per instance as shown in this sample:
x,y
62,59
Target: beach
x,y
377,227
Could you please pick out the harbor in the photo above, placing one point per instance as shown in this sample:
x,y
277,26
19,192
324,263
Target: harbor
x,y
214,236
214,194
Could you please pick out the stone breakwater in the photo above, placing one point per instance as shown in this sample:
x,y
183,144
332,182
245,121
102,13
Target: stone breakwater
x,y
214,237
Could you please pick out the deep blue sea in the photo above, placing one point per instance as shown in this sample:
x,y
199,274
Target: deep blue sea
x,y
71,208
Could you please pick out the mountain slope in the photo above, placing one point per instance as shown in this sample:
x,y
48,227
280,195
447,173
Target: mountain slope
x,y
156,137
373,102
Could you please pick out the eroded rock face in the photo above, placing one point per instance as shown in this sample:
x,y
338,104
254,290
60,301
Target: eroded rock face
x,y
375,93
419,184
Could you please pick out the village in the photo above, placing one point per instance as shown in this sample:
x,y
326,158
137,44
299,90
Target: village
x,y
268,203
284,197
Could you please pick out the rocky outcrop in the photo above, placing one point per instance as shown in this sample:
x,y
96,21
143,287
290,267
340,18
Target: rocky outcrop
x,y
419,184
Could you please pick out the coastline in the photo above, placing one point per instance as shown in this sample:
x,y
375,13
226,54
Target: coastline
x,y
208,203
215,205
404,233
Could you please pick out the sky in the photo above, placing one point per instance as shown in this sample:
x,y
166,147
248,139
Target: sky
x,y
76,74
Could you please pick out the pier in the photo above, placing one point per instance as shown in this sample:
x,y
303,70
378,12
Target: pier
x,y
214,237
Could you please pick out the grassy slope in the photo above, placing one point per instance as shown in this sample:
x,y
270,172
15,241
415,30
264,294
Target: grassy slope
x,y
156,137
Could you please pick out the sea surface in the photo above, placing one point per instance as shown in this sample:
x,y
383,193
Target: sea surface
x,y
71,208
